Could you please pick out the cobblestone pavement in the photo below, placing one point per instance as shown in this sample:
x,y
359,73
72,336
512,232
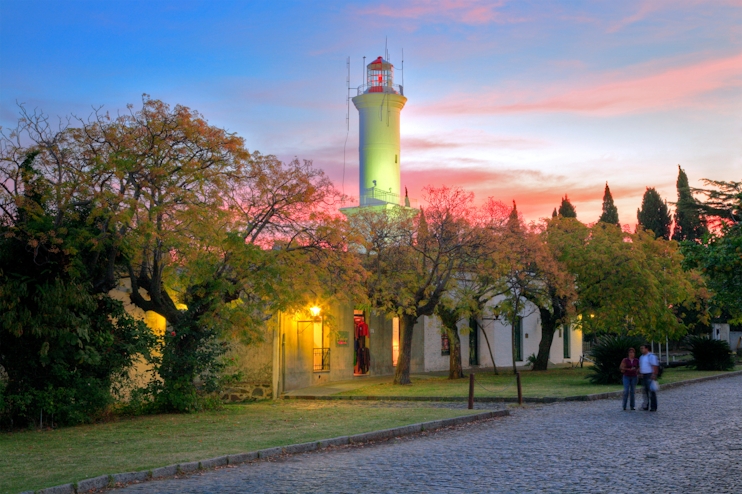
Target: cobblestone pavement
x,y
364,404
693,444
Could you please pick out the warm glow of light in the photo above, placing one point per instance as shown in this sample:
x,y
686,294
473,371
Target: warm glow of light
x,y
314,311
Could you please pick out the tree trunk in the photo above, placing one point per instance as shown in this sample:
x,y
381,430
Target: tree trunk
x,y
486,338
402,371
454,359
512,333
548,328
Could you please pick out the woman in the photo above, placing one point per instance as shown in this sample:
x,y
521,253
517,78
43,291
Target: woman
x,y
629,369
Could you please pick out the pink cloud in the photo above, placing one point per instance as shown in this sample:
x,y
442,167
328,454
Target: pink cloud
x,y
644,10
463,11
613,93
414,144
648,7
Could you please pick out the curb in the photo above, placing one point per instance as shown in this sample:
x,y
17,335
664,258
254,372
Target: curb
x,y
501,399
105,481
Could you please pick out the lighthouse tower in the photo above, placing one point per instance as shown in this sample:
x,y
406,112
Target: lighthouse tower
x,y
379,103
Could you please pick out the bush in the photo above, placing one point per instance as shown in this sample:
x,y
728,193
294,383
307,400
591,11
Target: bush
x,y
710,354
607,353
65,344
63,351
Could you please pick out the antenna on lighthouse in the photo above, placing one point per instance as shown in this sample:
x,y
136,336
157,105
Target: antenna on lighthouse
x,y
347,122
347,96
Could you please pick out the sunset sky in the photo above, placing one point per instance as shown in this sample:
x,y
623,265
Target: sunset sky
x,y
522,101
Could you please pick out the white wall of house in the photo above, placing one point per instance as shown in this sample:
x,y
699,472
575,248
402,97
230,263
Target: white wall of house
x,y
434,361
499,334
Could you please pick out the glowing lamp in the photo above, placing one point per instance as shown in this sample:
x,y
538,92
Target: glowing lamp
x,y
314,311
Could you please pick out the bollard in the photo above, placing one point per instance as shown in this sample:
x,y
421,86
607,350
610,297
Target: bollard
x,y
520,390
471,391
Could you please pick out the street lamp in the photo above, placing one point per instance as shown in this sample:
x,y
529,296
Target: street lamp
x,y
315,311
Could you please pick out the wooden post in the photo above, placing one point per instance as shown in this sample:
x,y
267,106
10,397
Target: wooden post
x,y
520,390
471,391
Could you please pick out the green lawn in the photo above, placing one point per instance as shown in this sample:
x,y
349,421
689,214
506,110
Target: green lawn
x,y
552,383
33,459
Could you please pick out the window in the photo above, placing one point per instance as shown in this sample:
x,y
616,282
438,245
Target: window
x,y
473,342
321,352
566,340
445,343
321,359
395,341
518,339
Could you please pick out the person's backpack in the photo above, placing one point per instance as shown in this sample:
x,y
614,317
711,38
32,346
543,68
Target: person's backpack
x,y
660,370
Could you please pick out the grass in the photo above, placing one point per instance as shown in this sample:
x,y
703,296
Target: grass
x,y
552,383
38,459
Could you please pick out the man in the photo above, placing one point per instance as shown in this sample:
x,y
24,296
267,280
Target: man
x,y
648,368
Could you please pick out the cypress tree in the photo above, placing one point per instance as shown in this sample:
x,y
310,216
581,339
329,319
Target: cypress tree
x,y
654,214
566,209
513,223
689,224
554,213
610,211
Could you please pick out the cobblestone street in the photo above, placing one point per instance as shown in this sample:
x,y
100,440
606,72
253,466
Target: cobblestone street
x,y
693,444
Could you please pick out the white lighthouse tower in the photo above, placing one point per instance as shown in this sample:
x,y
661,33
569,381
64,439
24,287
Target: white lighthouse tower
x,y
379,103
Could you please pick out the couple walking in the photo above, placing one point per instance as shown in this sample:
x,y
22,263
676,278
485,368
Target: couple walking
x,y
647,366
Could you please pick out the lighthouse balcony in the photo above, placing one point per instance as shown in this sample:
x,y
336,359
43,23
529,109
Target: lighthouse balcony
x,y
379,88
373,196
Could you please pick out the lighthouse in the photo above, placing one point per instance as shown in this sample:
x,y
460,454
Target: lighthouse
x,y
379,103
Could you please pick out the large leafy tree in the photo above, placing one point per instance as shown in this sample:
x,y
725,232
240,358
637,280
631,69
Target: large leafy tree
x,y
478,281
654,215
689,223
627,283
411,259
610,211
531,273
556,295
210,235
719,254
519,274
65,346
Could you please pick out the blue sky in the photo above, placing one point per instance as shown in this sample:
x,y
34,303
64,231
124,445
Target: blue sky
x,y
515,100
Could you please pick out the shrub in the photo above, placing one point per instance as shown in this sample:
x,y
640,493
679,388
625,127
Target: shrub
x,y
63,351
607,353
710,354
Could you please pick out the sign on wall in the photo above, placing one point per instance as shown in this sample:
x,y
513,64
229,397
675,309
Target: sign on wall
x,y
341,338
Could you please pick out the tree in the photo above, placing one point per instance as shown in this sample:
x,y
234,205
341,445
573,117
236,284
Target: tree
x,y
654,215
717,255
566,209
689,224
411,259
627,283
450,316
65,347
525,264
556,295
210,235
477,282
610,212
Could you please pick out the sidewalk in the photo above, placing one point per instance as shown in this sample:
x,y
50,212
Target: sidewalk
x,y
349,385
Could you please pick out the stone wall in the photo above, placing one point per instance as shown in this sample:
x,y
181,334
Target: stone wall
x,y
243,391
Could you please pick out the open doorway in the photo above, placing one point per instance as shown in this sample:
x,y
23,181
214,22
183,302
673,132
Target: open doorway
x,y
362,356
